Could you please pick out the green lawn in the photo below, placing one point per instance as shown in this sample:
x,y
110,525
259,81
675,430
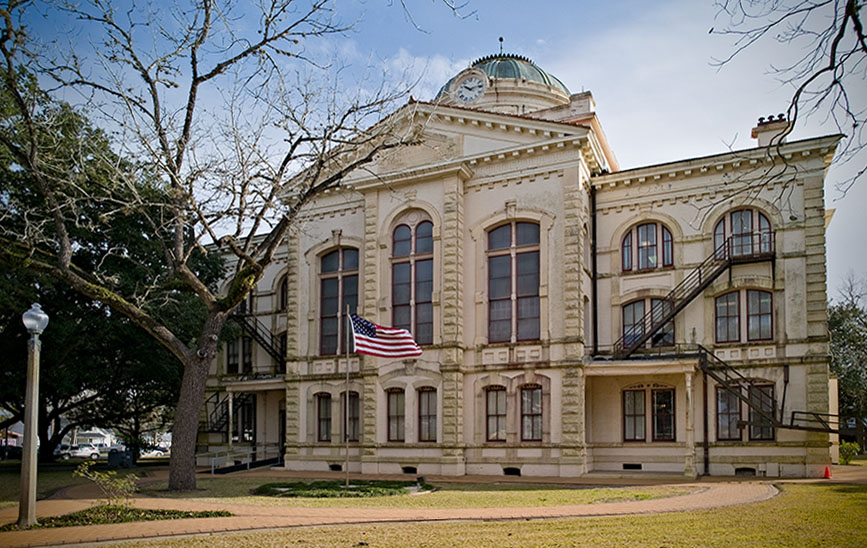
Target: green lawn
x,y
50,478
447,495
802,516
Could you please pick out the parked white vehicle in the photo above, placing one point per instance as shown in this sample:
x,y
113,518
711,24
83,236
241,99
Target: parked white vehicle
x,y
84,451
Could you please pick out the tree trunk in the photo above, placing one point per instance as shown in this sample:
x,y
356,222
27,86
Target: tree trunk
x,y
182,464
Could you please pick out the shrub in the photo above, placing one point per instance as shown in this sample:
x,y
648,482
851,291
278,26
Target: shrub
x,y
116,490
848,451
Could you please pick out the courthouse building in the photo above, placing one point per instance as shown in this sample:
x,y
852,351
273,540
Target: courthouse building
x,y
575,318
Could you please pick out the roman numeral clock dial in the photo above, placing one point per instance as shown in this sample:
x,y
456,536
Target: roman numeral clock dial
x,y
470,89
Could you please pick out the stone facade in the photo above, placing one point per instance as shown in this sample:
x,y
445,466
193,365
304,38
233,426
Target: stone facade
x,y
554,398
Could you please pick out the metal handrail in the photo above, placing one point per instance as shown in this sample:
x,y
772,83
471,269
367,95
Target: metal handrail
x,y
734,249
218,459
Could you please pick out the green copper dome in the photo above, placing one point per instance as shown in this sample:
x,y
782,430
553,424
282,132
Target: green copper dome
x,y
516,67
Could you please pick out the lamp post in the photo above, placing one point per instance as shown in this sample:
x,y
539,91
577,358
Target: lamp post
x,y
35,320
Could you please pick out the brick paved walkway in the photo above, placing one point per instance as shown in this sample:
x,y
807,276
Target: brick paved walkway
x,y
702,495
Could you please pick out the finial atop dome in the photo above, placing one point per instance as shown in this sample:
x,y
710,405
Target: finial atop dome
x,y
501,45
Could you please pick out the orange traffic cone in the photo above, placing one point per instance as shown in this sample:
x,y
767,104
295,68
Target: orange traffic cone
x,y
827,472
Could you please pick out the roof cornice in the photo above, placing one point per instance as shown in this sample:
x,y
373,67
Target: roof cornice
x,y
701,165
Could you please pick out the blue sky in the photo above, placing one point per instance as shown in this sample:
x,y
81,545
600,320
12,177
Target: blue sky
x,y
648,65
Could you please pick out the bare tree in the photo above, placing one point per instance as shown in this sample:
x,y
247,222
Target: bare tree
x,y
828,77
229,125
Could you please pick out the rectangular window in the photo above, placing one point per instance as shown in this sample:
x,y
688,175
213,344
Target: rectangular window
x,y
633,322
427,414
496,413
528,295
759,316
401,297
500,298
247,354
646,246
664,336
351,430
329,315
728,413
424,302
531,413
232,356
763,398
742,232
663,415
396,415
323,417
633,415
727,320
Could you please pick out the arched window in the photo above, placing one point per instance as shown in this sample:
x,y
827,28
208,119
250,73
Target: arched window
x,y
338,279
412,280
513,282
750,233
246,306
647,246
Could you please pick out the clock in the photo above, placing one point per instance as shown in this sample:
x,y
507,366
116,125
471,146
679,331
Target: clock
x,y
469,89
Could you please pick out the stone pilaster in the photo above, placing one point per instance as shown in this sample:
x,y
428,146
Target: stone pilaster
x,y
368,366
293,416
293,280
572,415
451,307
573,266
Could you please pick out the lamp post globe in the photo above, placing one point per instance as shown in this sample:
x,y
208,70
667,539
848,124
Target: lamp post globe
x,y
35,320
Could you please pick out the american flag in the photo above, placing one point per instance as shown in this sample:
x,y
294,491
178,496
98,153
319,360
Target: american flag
x,y
386,342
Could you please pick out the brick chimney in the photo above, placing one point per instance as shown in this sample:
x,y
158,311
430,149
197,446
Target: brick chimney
x,y
769,129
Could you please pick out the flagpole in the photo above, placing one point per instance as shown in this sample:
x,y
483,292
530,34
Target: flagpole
x,y
346,397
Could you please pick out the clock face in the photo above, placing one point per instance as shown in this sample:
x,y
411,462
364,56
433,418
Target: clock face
x,y
470,89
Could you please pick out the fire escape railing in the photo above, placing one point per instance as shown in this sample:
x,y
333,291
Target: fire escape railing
x,y
262,335
737,249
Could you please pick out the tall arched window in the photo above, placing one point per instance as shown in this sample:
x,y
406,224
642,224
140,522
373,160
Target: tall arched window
x,y
338,281
513,282
635,322
647,246
750,233
412,280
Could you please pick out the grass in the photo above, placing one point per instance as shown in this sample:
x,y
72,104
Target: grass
x,y
336,489
802,516
50,478
447,495
99,515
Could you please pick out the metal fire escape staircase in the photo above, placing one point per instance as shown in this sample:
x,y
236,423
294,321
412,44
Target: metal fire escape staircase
x,y
262,335
217,410
737,249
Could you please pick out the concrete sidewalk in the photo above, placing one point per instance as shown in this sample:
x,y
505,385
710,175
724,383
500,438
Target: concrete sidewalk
x,y
702,495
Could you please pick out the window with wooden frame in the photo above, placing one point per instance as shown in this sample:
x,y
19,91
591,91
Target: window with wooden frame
x,y
350,430
338,283
427,414
759,315
323,417
396,414
633,315
750,232
412,268
531,412
495,413
513,282
246,354
647,246
232,356
727,310
663,414
633,415
728,414
761,396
